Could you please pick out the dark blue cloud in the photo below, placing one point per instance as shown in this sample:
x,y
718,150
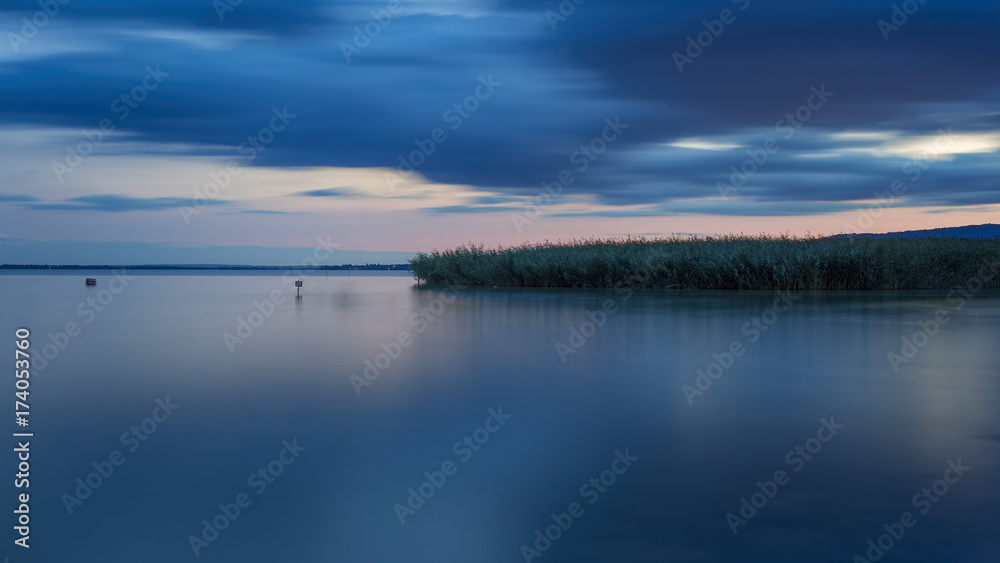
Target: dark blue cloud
x,y
473,209
330,192
116,203
262,16
607,59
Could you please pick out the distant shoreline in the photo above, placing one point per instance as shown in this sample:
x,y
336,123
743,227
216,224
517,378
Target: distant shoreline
x,y
197,267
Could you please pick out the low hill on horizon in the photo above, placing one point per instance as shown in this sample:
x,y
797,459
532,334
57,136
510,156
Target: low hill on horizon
x,y
987,230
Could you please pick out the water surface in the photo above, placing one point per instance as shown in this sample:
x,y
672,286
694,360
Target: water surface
x,y
475,349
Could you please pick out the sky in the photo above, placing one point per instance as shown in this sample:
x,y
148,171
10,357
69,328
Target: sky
x,y
243,131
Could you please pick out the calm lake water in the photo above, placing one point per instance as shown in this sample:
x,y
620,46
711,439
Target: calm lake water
x,y
479,412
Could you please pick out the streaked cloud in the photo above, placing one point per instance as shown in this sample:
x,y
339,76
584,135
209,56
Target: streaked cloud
x,y
702,144
329,192
114,204
687,132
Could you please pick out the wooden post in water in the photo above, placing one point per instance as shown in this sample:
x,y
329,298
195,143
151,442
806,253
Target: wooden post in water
x,y
298,286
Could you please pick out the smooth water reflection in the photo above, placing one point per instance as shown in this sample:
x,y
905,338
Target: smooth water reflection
x,y
477,349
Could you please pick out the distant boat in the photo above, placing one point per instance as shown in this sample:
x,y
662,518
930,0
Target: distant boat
x,y
91,281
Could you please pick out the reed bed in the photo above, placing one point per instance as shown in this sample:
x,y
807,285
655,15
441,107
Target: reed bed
x,y
725,262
